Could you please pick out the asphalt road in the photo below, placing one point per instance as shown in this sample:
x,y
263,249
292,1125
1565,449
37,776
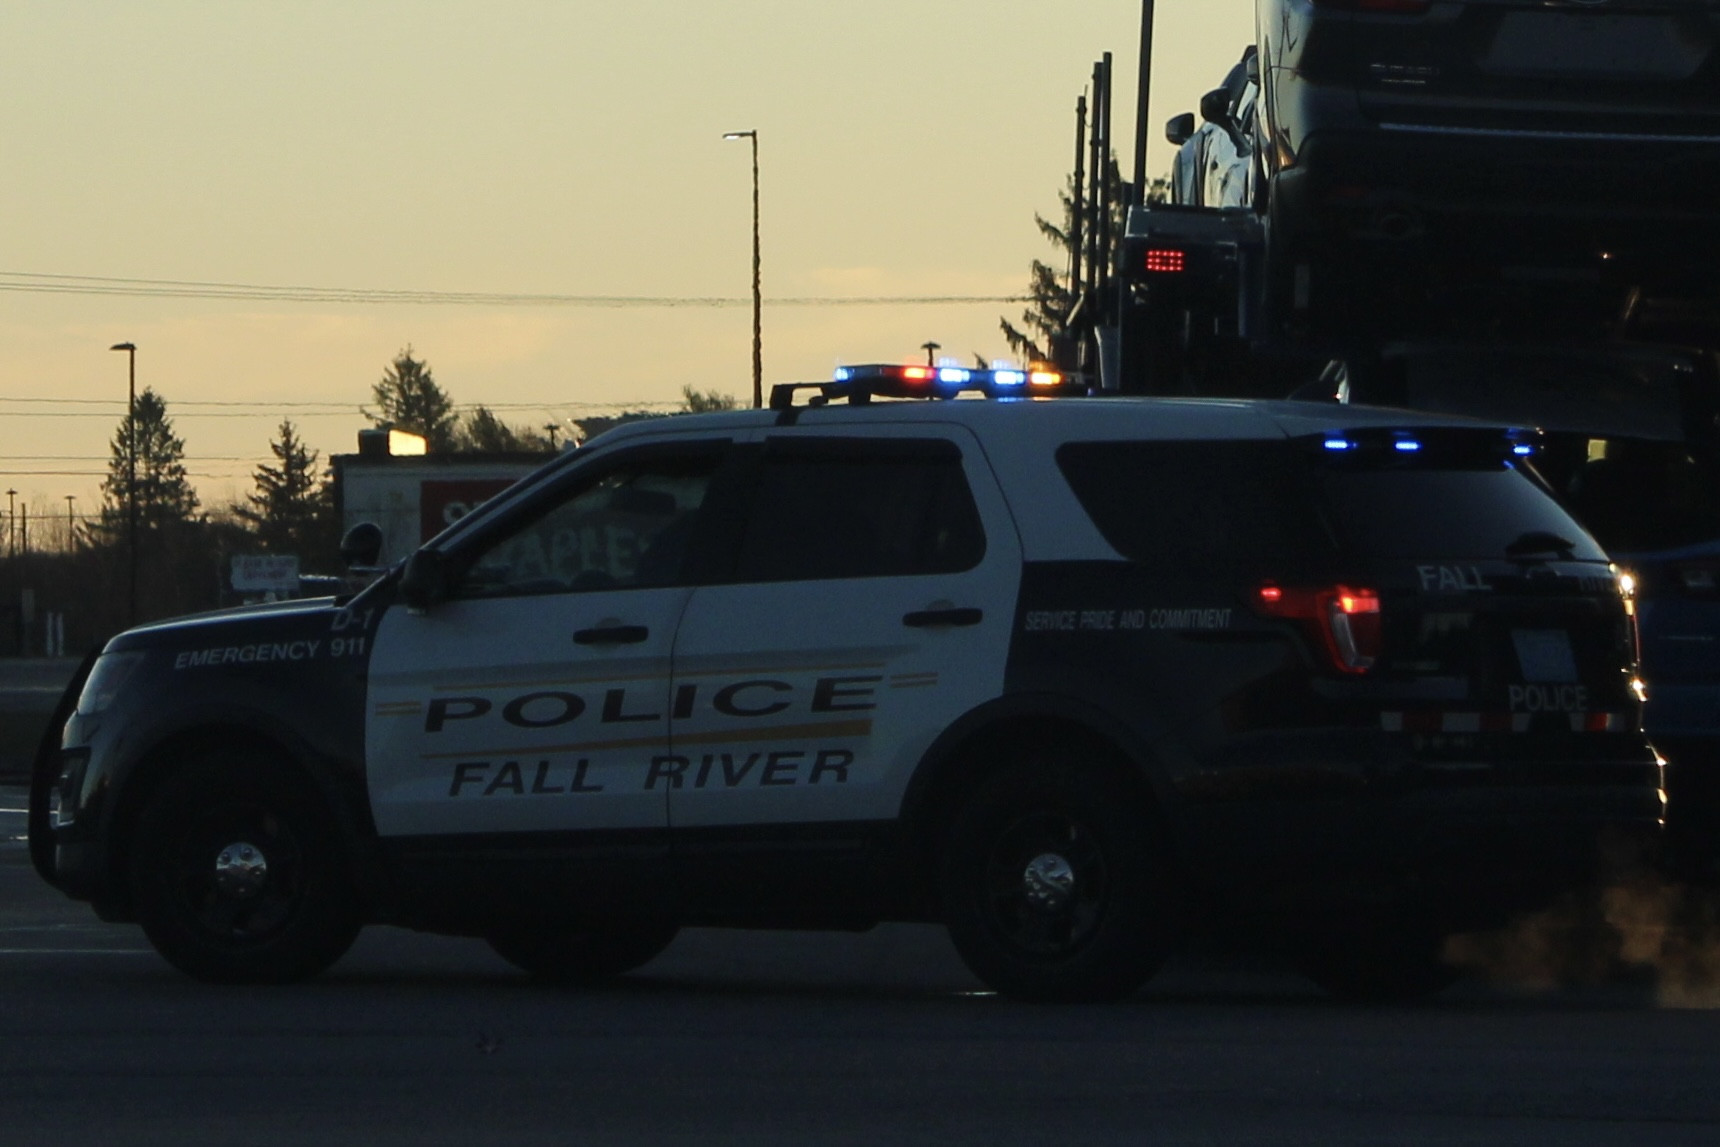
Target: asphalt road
x,y
740,1038
29,689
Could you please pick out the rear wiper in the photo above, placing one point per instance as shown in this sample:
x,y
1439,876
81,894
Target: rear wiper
x,y
1540,542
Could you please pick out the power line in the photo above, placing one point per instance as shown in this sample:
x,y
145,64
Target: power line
x,y
45,283
328,407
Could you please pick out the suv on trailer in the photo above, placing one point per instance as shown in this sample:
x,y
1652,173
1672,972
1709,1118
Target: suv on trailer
x,y
1054,673
1507,148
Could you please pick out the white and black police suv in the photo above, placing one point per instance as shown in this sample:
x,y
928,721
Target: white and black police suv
x,y
1065,675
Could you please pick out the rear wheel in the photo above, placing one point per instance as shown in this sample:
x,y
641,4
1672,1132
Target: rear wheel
x,y
239,875
1056,885
587,954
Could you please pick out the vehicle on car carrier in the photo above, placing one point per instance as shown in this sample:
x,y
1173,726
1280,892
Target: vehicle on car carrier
x,y
1435,169
1065,675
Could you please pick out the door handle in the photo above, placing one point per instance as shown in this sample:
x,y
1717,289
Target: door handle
x,y
928,618
611,635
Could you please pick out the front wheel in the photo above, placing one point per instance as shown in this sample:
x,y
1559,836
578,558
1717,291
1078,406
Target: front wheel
x,y
590,954
1056,883
239,875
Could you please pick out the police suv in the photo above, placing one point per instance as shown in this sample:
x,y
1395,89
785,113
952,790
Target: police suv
x,y
1064,675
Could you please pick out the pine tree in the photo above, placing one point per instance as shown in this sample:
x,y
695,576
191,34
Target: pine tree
x,y
705,401
408,398
483,432
164,494
288,509
1051,302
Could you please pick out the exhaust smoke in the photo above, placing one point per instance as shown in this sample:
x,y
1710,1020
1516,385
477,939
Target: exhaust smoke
x,y
1638,922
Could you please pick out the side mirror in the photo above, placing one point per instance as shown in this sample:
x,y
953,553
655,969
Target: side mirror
x,y
361,545
1180,129
424,581
1215,107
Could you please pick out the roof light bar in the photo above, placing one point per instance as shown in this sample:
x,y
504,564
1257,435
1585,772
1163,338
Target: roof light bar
x,y
859,384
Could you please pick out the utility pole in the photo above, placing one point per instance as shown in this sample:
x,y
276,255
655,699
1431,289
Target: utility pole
x,y
1139,195
758,296
71,526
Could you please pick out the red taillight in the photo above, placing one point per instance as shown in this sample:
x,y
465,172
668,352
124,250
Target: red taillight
x,y
1166,261
1348,620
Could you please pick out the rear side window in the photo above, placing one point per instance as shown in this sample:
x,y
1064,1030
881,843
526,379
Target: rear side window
x,y
1228,510
851,508
1199,510
1422,513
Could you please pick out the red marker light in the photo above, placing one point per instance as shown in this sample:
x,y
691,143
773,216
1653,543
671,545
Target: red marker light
x,y
1166,261
1271,594
918,373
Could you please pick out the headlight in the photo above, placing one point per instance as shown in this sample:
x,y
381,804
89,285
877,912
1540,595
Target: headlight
x,y
105,681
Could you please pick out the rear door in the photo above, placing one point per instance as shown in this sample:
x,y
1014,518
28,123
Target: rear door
x,y
1498,613
871,606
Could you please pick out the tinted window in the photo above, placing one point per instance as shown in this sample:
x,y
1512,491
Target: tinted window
x,y
625,528
846,509
1424,513
1199,510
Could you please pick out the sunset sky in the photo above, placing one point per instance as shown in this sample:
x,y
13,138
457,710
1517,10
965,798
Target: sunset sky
x,y
512,146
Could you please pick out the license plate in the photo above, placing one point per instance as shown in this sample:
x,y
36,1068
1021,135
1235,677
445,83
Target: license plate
x,y
1591,45
1545,656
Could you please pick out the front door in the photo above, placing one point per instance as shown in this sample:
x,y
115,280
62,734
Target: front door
x,y
536,699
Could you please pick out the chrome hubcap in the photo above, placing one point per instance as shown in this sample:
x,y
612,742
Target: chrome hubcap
x,y
241,870
1049,881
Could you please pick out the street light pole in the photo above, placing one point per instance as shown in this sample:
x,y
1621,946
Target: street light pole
x,y
71,525
130,350
758,297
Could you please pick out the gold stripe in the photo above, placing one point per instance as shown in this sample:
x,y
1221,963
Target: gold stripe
x,y
611,677
859,728
515,751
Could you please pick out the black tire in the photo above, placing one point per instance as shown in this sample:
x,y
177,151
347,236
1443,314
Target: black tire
x,y
1057,885
568,955
203,900
1383,964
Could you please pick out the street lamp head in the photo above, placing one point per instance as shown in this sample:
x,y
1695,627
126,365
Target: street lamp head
x,y
123,346
741,134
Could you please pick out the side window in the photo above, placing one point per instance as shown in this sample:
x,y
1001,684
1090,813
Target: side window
x,y
626,528
1194,511
847,508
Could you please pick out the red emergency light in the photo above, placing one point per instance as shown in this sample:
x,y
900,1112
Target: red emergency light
x,y
1166,261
